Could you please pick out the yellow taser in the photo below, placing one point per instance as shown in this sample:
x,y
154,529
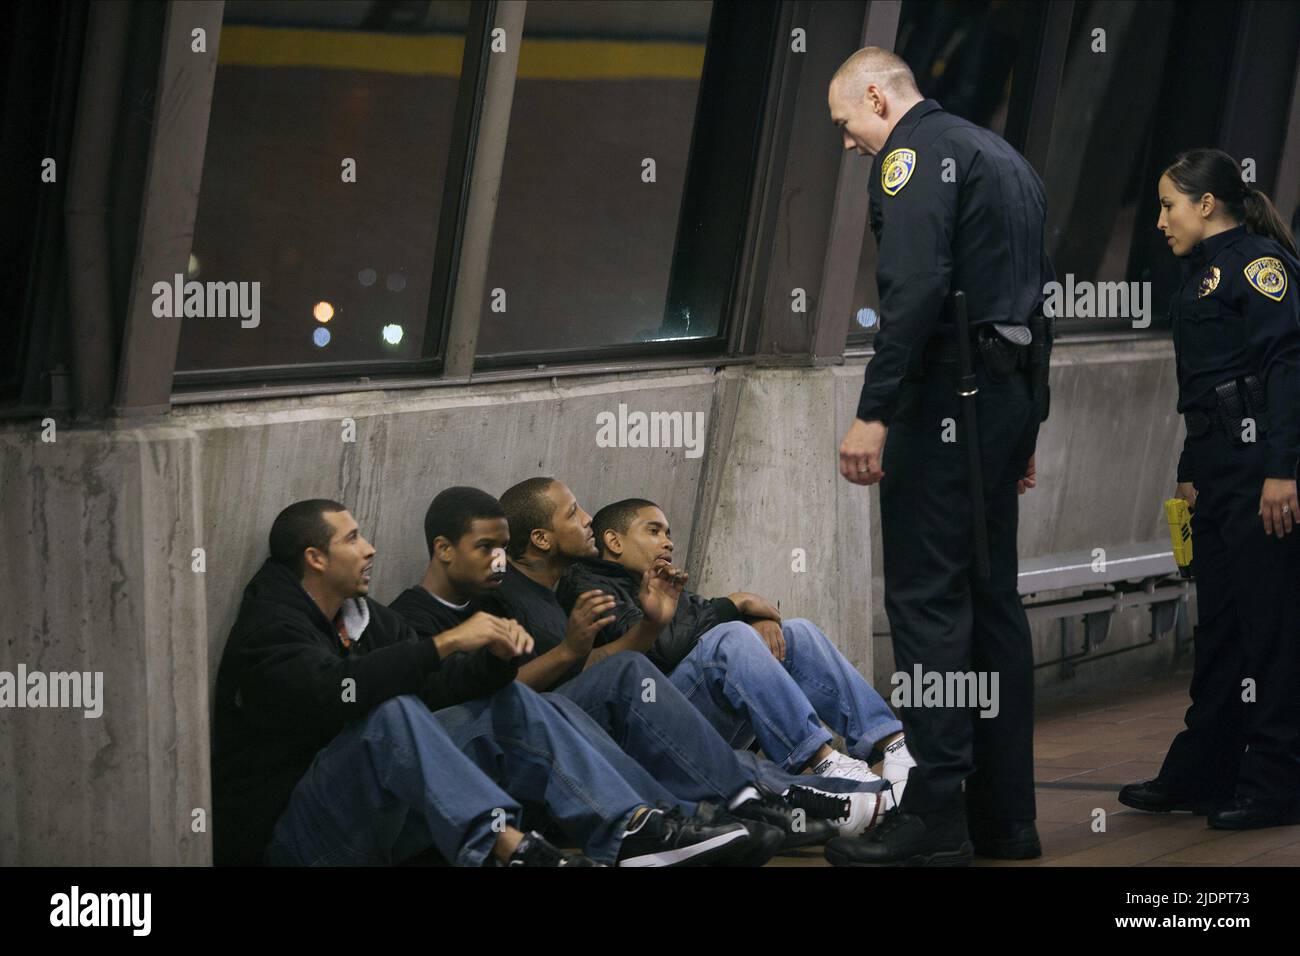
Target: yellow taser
x,y
1180,533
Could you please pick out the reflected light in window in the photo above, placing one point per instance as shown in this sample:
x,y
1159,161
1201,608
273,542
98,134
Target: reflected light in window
x,y
867,318
392,334
323,312
321,337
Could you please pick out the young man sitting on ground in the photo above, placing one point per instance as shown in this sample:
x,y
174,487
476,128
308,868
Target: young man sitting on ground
x,y
323,753
549,531
752,674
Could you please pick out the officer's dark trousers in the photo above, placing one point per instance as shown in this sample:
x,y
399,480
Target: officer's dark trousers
x,y
1248,630
941,616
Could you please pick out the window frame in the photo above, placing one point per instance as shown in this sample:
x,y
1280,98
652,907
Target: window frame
x,y
451,222
706,154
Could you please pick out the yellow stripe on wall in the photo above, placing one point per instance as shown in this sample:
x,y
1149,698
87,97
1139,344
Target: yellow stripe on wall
x,y
441,55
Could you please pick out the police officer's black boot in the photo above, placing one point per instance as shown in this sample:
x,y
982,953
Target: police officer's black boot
x,y
1157,796
1006,839
906,839
1251,813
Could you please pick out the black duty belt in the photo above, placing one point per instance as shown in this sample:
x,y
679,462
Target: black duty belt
x,y
1001,349
1235,401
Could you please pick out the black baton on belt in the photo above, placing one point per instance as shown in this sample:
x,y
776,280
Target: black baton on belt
x,y
967,390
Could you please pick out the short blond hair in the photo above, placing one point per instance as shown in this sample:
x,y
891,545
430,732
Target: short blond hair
x,y
873,64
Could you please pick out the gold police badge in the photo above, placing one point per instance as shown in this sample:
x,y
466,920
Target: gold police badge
x,y
1209,282
896,170
1268,276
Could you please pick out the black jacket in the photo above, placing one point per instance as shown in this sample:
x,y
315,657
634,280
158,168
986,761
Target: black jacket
x,y
1237,314
280,698
429,617
694,616
952,206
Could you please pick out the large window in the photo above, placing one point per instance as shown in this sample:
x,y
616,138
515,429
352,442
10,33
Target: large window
x,y
600,137
327,155
626,179
619,221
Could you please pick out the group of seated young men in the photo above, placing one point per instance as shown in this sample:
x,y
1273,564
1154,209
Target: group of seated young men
x,y
548,681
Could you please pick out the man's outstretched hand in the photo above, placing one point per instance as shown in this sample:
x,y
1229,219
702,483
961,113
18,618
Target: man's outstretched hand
x,y
661,586
503,637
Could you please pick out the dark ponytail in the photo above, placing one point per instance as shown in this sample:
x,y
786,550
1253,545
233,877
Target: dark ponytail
x,y
1262,218
1200,171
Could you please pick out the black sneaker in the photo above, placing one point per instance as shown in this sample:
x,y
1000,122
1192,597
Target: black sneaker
x,y
765,840
533,850
800,822
848,814
665,838
906,839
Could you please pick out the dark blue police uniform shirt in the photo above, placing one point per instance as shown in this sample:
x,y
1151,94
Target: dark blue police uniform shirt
x,y
1237,314
952,206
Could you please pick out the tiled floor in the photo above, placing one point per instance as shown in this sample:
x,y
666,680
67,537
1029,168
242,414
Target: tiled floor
x,y
1084,751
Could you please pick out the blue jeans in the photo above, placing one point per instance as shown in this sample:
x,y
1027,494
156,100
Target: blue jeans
x,y
550,755
388,787
653,723
746,693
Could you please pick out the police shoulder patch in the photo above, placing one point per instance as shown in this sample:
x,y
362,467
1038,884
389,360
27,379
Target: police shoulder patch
x,y
896,170
1268,276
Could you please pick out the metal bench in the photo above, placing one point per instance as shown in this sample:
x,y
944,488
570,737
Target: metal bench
x,y
1127,576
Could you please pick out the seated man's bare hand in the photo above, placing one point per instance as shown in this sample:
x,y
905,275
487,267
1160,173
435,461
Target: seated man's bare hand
x,y
590,614
661,587
771,635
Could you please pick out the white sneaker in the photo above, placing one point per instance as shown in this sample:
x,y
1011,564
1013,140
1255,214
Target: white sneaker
x,y
852,813
898,763
846,767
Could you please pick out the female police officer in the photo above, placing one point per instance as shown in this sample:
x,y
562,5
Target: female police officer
x,y
1236,326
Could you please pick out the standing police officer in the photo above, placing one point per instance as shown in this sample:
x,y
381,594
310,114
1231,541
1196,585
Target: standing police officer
x,y
1236,325
953,207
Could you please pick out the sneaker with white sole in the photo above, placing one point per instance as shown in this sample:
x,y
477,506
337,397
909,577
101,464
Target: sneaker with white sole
x,y
666,838
846,767
851,813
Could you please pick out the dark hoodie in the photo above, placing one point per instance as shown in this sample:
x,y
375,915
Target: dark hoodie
x,y
694,616
280,697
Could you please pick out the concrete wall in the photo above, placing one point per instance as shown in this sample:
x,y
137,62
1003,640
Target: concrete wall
x,y
102,524
775,516
257,458
95,574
